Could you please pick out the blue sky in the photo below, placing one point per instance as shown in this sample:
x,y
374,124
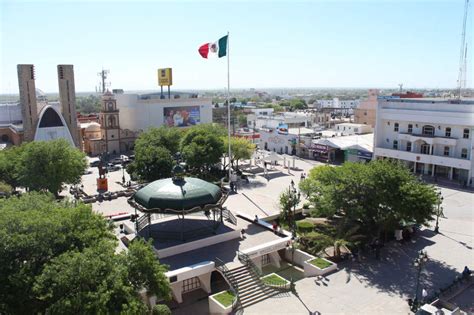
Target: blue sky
x,y
272,44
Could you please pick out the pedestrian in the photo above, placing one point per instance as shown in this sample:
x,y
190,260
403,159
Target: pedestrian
x,y
256,219
302,176
466,272
231,186
424,295
377,246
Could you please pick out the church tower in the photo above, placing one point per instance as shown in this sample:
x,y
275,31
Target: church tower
x,y
29,108
109,123
67,98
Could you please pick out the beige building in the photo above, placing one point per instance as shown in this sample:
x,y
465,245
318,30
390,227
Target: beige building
x,y
365,113
107,135
36,119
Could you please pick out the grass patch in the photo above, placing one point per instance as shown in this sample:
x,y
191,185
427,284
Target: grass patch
x,y
320,263
274,279
225,298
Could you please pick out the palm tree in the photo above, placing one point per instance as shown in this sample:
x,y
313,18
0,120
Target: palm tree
x,y
345,239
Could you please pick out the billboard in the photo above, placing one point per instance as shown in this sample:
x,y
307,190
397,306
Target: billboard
x,y
181,116
165,77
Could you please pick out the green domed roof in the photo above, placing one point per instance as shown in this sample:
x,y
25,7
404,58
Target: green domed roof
x,y
183,194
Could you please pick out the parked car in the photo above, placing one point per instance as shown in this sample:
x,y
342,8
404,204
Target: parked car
x,y
94,163
112,168
116,161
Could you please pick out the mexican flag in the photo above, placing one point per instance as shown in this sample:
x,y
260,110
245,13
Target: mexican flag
x,y
219,48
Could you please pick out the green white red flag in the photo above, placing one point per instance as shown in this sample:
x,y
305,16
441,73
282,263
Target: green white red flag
x,y
218,48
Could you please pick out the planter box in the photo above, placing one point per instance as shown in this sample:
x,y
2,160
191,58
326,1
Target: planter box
x,y
311,270
285,286
216,308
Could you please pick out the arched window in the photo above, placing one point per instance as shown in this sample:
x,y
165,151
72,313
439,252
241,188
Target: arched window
x,y
428,130
111,121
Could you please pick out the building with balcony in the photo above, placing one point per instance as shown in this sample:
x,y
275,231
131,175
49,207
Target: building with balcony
x,y
433,136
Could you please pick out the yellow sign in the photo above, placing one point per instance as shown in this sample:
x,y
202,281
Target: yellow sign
x,y
165,77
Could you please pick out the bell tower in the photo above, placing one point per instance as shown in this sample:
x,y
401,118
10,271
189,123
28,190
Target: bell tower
x,y
110,124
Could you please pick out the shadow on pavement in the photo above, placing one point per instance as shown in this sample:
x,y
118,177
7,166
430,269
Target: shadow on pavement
x,y
396,274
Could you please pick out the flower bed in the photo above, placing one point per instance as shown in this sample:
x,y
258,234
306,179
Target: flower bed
x,y
320,263
221,303
318,267
274,280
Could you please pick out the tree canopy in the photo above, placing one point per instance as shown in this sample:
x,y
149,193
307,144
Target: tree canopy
x,y
241,148
42,165
154,152
88,104
377,195
202,146
57,258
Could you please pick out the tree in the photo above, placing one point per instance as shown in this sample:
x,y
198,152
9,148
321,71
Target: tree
x,y
202,146
9,165
154,152
47,165
5,189
242,119
297,104
151,163
241,149
59,258
168,138
88,104
377,196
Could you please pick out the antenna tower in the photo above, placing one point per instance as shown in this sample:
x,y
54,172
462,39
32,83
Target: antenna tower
x,y
103,76
463,54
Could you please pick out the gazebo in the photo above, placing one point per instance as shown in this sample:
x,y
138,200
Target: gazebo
x,y
182,196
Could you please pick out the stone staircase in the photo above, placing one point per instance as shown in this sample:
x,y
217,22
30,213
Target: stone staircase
x,y
251,288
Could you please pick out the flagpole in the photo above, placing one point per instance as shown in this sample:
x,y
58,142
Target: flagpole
x,y
228,106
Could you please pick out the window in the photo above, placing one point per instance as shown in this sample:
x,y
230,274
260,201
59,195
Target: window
x,y
448,132
395,127
265,260
425,149
409,146
446,151
464,153
428,130
395,144
466,133
410,128
191,284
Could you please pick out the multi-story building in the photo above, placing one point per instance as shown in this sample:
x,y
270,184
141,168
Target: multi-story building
x,y
433,136
140,112
365,111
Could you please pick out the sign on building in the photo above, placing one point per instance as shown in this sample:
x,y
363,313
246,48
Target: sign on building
x,y
165,77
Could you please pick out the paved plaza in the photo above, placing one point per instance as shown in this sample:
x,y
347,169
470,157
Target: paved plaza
x,y
368,287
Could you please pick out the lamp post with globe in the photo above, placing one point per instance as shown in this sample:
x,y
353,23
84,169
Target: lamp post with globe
x,y
419,262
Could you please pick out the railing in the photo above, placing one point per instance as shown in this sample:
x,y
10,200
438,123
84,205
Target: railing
x,y
142,222
245,259
234,287
226,213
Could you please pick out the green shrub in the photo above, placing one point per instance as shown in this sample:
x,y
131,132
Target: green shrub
x,y
304,226
314,242
306,205
161,309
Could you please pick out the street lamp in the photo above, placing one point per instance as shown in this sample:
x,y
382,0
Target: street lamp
x,y
439,212
419,262
123,172
294,196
